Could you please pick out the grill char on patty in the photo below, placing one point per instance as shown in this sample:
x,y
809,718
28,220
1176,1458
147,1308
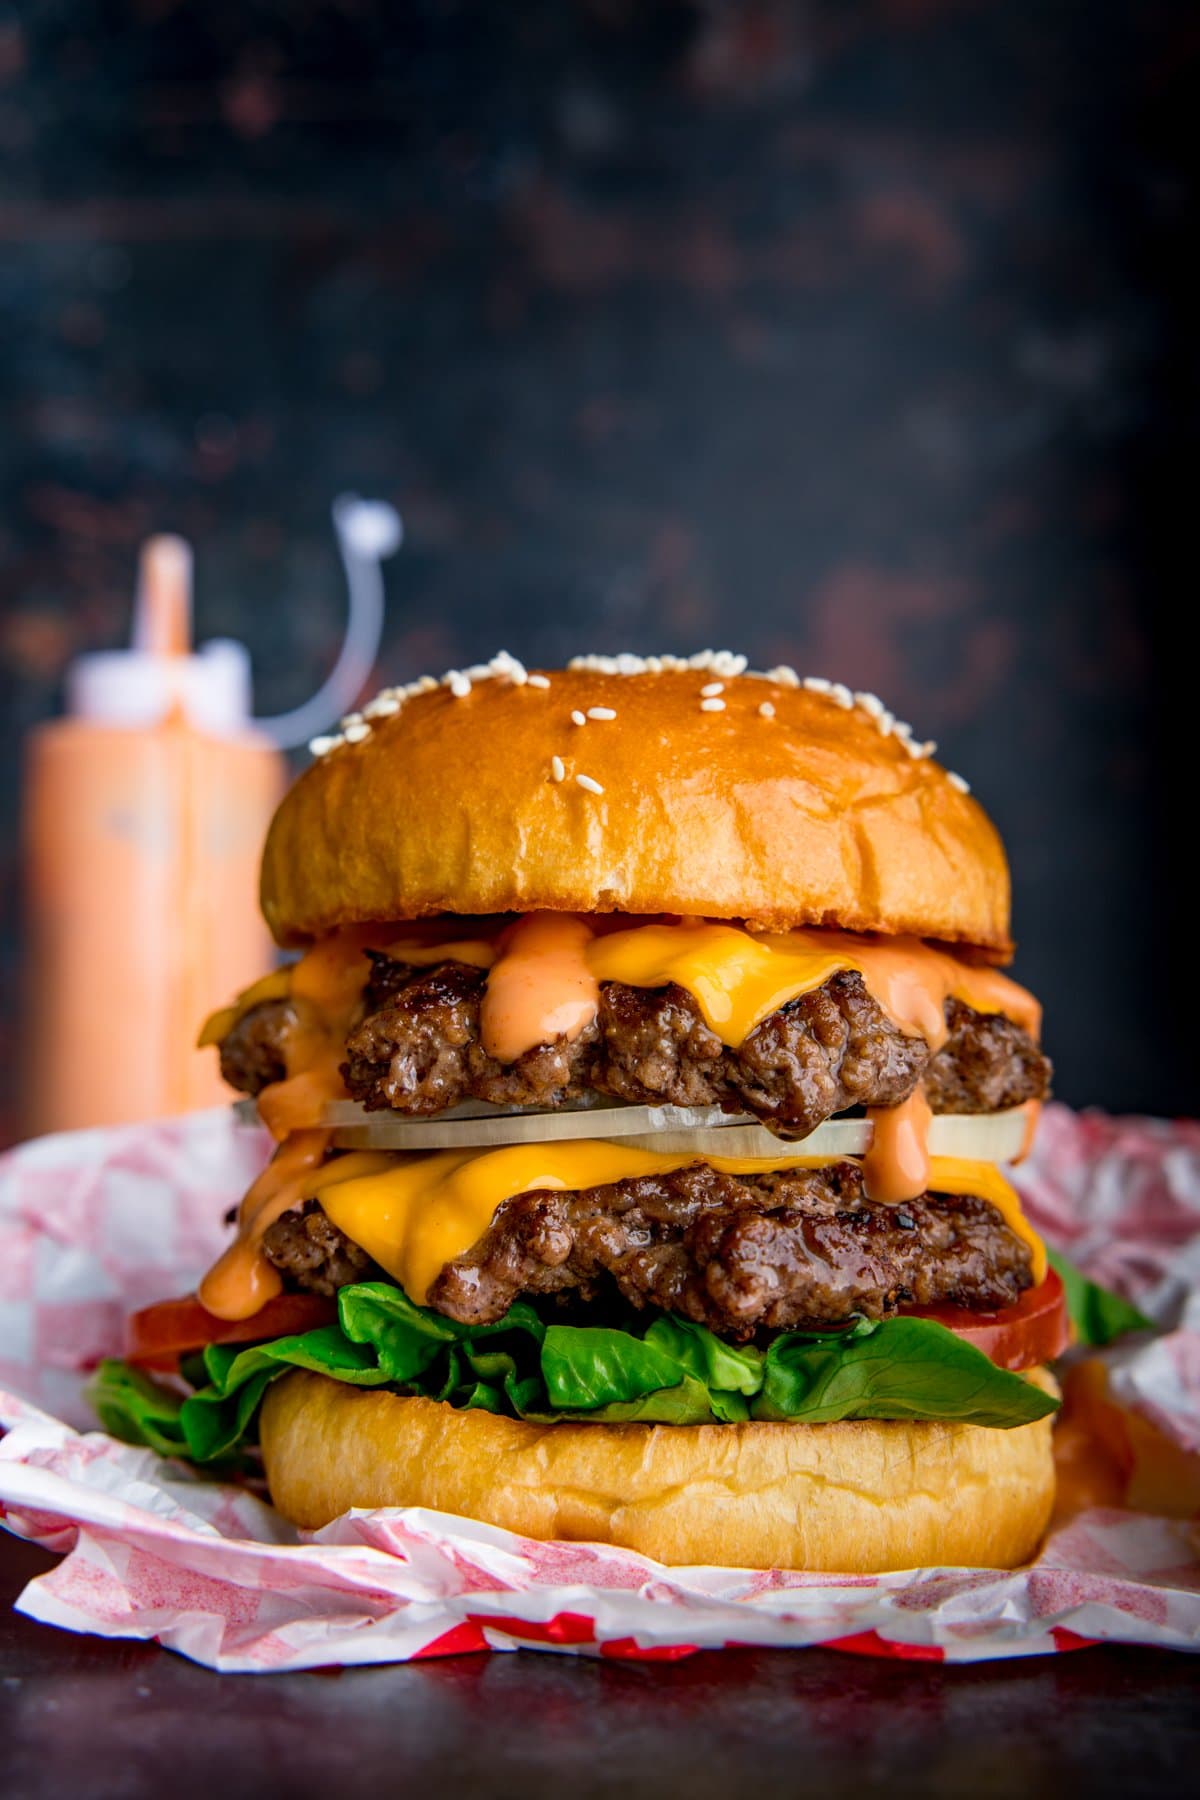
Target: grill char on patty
x,y
741,1254
417,1051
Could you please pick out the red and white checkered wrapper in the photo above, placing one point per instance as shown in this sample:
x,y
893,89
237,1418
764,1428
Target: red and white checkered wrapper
x,y
98,1223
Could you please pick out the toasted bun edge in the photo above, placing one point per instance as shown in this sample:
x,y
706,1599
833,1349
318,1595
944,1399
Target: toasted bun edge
x,y
858,1497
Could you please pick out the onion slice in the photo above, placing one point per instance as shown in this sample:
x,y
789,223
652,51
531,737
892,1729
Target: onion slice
x,y
460,1130
974,1137
673,1130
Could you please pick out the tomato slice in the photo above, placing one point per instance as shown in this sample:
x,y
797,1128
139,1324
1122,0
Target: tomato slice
x,y
1034,1330
158,1336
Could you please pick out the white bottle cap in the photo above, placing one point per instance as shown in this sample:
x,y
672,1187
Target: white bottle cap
x,y
211,686
161,672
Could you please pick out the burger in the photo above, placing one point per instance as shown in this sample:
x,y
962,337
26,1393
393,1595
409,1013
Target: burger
x,y
641,1088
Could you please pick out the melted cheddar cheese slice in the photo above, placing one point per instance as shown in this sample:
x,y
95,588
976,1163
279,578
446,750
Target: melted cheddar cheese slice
x,y
428,1208
736,980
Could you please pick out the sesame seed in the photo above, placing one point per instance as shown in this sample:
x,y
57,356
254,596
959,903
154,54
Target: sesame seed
x,y
321,746
721,665
718,662
382,707
956,781
586,781
503,664
558,769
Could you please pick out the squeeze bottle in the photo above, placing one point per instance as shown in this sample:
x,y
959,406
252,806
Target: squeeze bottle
x,y
145,812
144,818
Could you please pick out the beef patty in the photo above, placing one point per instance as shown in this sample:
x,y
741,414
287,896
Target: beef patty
x,y
252,1050
739,1253
417,1051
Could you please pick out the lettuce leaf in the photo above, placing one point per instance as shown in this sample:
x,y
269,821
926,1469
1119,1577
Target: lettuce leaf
x,y
717,1364
586,1367
656,1370
217,1417
688,1402
132,1407
1098,1315
894,1369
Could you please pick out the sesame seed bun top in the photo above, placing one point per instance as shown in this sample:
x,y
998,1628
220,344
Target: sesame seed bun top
x,y
620,786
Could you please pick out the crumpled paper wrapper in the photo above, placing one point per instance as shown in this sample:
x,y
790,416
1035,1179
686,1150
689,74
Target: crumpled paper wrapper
x,y
98,1223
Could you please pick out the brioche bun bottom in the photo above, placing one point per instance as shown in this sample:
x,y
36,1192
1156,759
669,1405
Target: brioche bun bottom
x,y
855,1498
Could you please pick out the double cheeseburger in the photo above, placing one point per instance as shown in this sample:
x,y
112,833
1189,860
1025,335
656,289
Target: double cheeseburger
x,y
640,1091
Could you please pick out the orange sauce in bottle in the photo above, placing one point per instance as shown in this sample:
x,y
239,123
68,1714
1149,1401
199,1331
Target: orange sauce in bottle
x,y
143,822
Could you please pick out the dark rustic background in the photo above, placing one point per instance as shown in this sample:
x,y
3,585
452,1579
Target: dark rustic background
x,y
856,335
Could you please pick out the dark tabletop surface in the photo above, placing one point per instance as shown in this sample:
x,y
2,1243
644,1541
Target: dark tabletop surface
x,y
87,1716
